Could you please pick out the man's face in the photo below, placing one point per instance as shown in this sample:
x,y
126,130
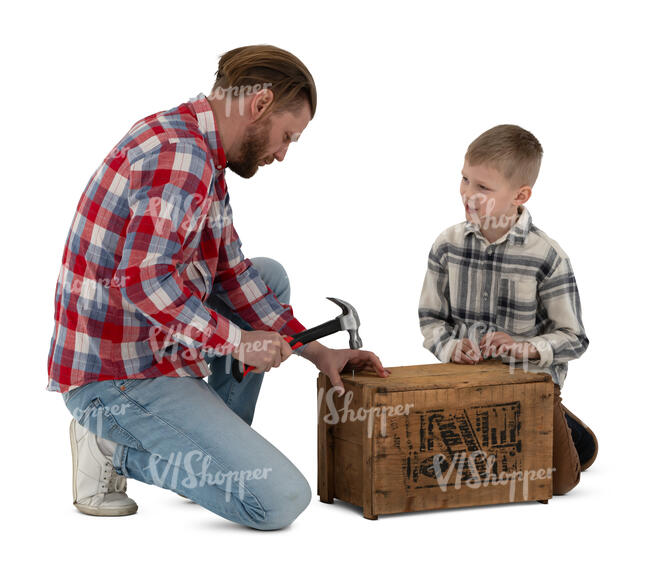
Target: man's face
x,y
268,139
488,197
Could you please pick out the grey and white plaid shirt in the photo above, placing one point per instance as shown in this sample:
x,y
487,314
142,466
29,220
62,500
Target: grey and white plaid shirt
x,y
522,284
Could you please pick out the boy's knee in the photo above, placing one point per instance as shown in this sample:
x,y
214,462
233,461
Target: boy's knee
x,y
564,484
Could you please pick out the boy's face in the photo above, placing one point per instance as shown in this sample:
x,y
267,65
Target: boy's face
x,y
490,200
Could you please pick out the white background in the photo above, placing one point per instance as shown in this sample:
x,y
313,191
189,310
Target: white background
x,y
403,87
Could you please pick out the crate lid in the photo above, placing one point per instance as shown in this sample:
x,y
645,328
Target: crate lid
x,y
444,376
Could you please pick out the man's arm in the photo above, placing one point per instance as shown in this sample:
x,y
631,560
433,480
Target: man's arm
x,y
434,309
240,286
564,336
167,197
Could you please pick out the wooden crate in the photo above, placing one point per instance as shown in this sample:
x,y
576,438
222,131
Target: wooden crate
x,y
436,436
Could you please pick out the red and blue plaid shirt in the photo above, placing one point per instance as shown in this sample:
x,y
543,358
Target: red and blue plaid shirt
x,y
151,238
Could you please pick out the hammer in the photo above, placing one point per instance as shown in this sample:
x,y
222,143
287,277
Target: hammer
x,y
346,321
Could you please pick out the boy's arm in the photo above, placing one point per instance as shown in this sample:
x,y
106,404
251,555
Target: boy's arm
x,y
434,309
564,335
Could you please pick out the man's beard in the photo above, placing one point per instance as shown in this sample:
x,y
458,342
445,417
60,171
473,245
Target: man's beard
x,y
256,140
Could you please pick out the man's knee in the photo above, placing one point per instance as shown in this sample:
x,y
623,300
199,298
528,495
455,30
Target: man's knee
x,y
283,505
275,276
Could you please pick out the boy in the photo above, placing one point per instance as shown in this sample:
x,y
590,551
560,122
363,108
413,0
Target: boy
x,y
498,286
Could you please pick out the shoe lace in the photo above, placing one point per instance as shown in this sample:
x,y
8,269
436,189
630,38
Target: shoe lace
x,y
111,481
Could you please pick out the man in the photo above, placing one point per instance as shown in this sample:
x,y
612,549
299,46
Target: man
x,y
153,285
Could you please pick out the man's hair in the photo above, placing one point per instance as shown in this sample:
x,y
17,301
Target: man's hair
x,y
509,149
265,66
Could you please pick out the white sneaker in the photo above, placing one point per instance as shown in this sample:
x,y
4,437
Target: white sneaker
x,y
96,487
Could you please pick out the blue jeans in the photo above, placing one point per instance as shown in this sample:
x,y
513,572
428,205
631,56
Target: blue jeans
x,y
193,437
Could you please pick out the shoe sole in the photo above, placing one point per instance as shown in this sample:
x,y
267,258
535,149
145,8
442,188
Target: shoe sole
x,y
592,458
84,508
73,446
92,511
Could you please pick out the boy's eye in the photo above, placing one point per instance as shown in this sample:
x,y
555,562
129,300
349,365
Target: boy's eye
x,y
483,187
287,137
465,180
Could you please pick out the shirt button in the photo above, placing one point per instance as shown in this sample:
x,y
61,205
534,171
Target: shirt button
x,y
219,167
485,295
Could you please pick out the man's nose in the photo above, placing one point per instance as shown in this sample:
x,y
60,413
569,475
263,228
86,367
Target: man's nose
x,y
279,155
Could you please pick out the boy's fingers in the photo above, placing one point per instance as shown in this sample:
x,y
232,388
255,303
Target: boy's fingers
x,y
473,352
503,349
486,339
468,358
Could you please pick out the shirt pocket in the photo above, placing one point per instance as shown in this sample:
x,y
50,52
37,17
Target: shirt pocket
x,y
198,274
516,308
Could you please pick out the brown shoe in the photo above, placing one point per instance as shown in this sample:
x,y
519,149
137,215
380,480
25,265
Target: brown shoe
x,y
584,439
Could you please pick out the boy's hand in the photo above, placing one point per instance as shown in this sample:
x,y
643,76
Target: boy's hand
x,y
466,352
498,343
495,344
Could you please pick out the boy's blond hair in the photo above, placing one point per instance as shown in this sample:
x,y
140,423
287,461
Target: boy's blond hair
x,y
509,149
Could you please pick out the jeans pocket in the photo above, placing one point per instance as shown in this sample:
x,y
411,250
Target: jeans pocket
x,y
100,419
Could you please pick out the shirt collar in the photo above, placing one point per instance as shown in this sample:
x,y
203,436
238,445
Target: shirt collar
x,y
517,233
208,126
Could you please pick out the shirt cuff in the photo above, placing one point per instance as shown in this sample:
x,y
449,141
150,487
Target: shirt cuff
x,y
300,350
545,351
221,343
293,327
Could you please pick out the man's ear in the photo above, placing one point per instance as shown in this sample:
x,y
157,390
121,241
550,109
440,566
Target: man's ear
x,y
260,102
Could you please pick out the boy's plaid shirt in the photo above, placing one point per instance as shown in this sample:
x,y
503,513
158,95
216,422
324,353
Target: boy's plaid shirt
x,y
152,231
522,284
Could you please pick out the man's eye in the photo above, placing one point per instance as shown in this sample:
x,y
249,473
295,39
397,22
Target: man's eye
x,y
287,137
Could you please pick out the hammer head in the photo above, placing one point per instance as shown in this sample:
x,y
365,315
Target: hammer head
x,y
349,322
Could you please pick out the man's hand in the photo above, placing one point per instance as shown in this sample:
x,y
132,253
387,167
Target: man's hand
x,y
498,343
333,361
262,349
466,352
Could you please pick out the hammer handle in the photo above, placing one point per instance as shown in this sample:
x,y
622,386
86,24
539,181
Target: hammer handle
x,y
317,332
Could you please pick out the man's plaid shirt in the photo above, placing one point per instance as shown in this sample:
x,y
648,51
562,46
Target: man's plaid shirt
x,y
522,284
151,238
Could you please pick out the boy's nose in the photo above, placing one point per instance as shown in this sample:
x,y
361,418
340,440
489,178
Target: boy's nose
x,y
474,200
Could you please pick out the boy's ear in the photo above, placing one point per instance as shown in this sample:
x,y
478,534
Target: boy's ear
x,y
523,195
